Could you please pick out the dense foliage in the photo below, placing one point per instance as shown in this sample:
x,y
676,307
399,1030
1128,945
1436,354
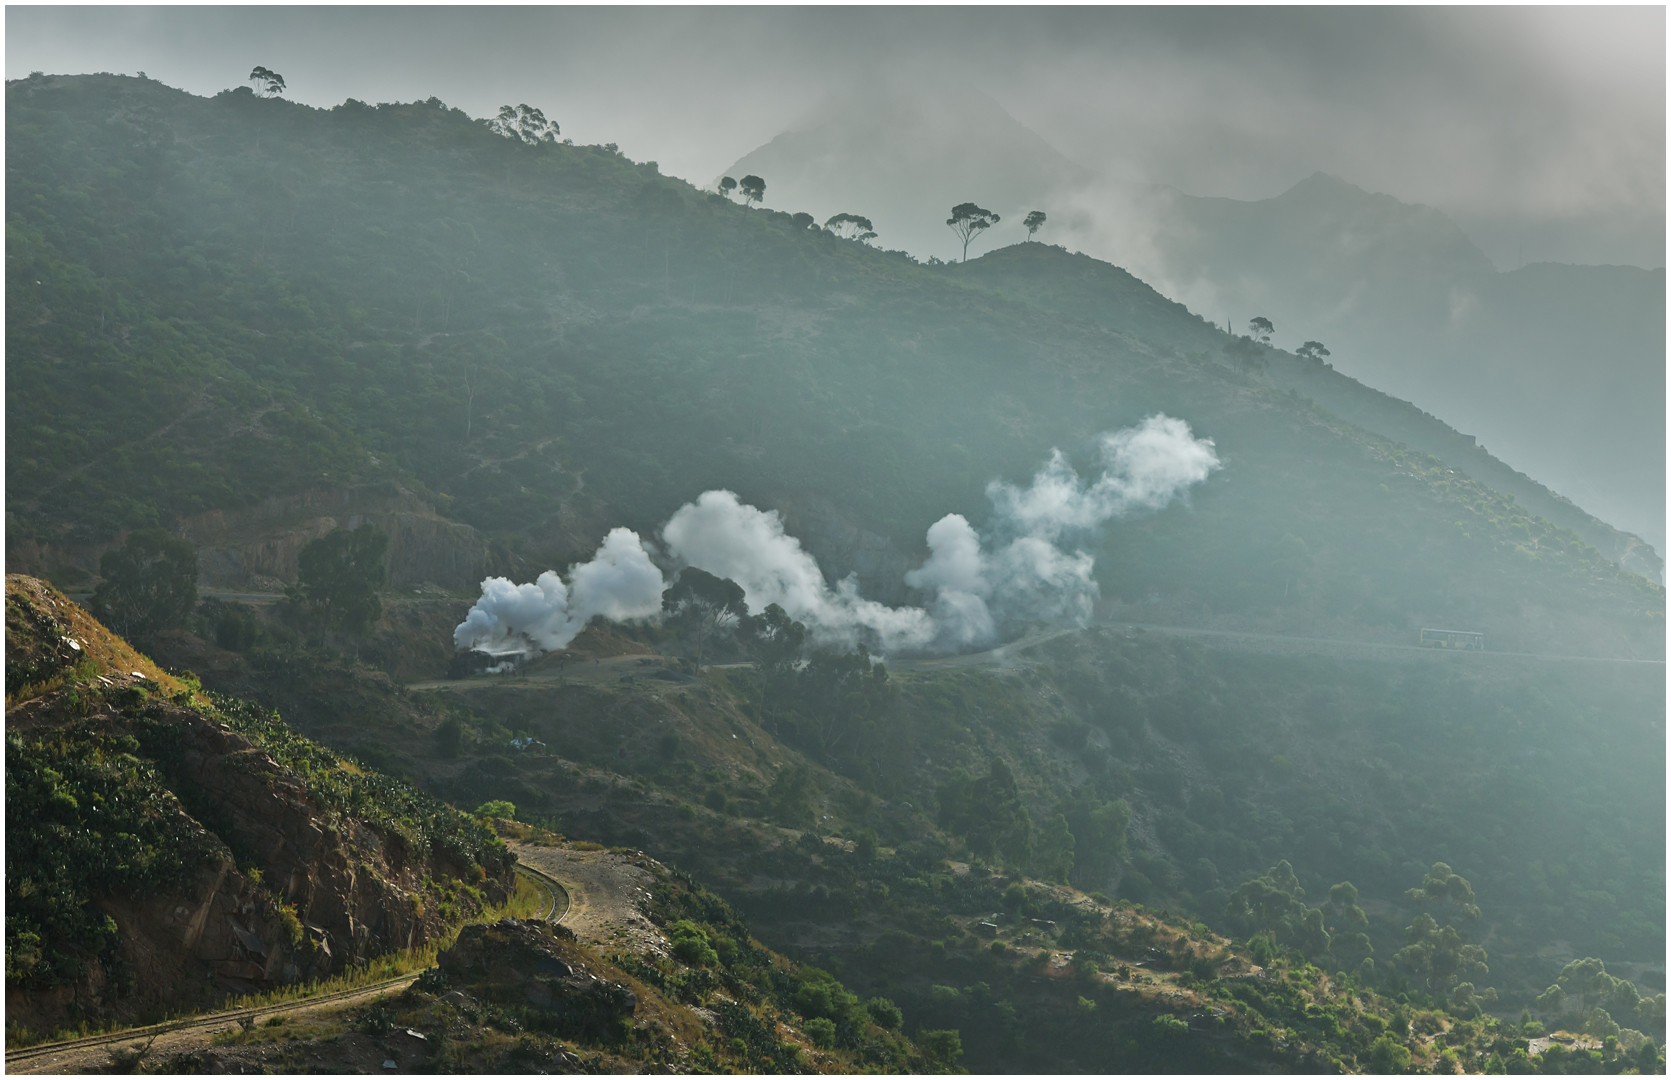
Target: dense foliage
x,y
146,585
716,952
86,819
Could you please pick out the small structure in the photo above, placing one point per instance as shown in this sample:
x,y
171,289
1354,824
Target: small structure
x,y
1452,639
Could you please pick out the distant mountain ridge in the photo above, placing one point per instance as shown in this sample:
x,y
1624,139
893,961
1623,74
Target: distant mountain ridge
x,y
1560,371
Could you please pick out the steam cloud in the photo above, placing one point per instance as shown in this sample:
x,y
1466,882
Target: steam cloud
x,y
974,584
619,583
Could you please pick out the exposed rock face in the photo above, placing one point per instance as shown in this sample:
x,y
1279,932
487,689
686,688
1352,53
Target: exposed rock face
x,y
296,890
534,963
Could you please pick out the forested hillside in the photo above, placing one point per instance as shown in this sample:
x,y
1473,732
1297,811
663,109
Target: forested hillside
x,y
215,302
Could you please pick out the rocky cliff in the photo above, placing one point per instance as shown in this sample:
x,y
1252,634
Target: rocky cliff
x,y
261,858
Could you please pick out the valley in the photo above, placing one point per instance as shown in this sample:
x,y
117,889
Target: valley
x,y
904,666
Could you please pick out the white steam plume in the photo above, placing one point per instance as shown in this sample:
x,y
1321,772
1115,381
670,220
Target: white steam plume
x,y
730,539
619,583
974,584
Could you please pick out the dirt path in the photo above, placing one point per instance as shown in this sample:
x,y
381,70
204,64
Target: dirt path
x,y
94,1055
608,894
200,1033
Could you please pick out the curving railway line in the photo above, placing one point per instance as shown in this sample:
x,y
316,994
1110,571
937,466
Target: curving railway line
x,y
556,907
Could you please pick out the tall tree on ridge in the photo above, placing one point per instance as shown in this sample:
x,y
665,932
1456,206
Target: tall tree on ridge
x,y
969,221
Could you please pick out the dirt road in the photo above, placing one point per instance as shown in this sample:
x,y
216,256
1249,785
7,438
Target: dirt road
x,y
163,1041
608,893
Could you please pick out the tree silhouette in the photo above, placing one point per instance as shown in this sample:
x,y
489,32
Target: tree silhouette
x,y
803,220
969,221
851,227
1260,329
1033,221
272,82
727,185
1313,351
753,189
524,123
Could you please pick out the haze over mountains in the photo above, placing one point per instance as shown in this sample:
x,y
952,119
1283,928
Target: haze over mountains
x,y
342,364
1558,369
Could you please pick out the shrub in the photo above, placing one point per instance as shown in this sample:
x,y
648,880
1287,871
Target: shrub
x,y
885,1013
822,1032
497,808
1388,1055
691,945
449,737
943,1048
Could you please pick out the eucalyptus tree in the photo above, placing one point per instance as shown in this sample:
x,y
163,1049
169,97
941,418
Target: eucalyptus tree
x,y
272,83
851,227
969,221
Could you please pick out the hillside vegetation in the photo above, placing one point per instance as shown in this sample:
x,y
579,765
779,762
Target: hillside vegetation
x,y
1107,847
154,834
215,302
870,822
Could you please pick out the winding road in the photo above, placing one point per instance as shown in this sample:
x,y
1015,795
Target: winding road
x,y
92,1053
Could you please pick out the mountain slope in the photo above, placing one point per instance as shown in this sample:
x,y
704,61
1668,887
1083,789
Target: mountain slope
x,y
1560,369
1565,382
1079,287
243,298
153,834
1182,770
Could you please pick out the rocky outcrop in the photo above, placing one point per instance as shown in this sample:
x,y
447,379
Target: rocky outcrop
x,y
528,962
291,889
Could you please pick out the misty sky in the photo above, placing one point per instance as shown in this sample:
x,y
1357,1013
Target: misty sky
x,y
1540,130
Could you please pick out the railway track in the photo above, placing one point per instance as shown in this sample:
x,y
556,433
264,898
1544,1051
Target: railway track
x,y
558,895
556,907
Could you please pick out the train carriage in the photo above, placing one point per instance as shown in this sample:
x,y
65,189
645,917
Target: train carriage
x,y
1452,639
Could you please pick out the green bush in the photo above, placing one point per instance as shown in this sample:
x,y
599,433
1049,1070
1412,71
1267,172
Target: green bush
x,y
822,1032
943,1048
1388,1055
885,1013
691,945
